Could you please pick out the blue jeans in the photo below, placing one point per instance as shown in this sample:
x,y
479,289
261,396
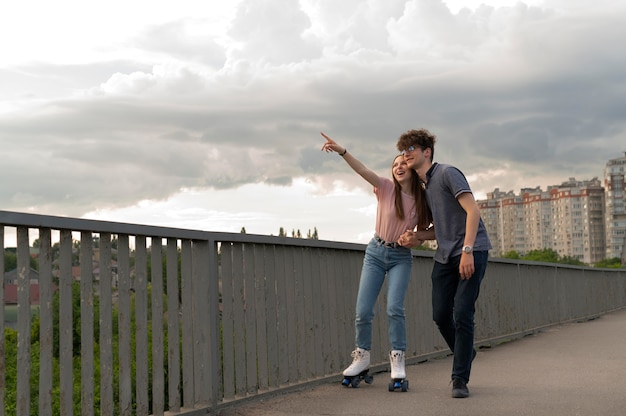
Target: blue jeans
x,y
396,264
454,302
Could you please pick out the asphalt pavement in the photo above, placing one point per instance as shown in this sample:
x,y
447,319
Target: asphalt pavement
x,y
570,369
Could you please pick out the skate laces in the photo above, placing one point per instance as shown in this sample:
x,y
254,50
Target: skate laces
x,y
397,359
357,355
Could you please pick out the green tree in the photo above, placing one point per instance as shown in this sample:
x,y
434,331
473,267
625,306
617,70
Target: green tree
x,y
10,261
614,263
512,254
546,255
10,371
571,260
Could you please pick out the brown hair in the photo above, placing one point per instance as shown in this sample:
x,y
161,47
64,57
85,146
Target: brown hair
x,y
422,138
424,216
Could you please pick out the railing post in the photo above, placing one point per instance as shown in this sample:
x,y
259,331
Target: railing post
x,y
23,322
106,326
173,326
2,318
214,317
158,384
46,325
201,341
66,330
86,324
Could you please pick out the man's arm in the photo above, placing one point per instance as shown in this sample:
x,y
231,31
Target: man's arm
x,y
468,203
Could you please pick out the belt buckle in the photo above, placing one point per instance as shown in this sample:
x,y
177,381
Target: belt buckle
x,y
385,243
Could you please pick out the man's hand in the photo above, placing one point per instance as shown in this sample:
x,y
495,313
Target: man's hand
x,y
409,239
466,266
412,238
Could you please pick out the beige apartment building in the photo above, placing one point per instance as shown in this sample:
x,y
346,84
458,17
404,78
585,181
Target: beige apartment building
x,y
615,216
568,218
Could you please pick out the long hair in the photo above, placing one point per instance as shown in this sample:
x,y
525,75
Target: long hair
x,y
422,211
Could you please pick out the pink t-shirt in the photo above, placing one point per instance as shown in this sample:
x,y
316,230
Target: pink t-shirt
x,y
388,226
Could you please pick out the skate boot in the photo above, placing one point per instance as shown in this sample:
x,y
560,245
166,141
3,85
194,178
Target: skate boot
x,y
398,372
358,370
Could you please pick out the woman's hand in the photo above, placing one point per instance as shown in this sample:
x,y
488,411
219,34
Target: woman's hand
x,y
410,239
331,145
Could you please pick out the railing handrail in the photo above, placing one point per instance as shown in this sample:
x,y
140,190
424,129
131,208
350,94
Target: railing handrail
x,y
14,219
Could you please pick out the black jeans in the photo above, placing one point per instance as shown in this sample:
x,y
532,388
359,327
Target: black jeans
x,y
454,307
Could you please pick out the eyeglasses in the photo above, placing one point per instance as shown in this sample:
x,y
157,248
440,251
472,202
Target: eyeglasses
x,y
411,149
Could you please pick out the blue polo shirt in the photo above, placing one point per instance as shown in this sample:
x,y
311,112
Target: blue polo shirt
x,y
444,185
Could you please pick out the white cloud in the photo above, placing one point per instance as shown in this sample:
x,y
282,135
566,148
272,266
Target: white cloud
x,y
260,209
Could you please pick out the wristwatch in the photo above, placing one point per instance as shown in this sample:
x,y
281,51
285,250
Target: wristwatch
x,y
468,249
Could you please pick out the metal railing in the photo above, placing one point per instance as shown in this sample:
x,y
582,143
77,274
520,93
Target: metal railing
x,y
185,321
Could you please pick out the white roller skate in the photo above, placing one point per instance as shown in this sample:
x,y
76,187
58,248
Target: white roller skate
x,y
358,370
398,372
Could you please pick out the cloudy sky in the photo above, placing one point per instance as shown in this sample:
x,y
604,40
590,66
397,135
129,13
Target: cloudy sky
x,y
206,115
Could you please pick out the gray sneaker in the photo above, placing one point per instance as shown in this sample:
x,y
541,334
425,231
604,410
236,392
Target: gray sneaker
x,y
459,388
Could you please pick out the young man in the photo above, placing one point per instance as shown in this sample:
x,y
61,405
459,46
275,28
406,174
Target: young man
x,y
461,257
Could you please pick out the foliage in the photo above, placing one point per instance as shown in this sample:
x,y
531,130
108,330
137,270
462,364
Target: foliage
x,y
10,370
297,233
10,261
547,255
571,260
10,373
614,263
511,255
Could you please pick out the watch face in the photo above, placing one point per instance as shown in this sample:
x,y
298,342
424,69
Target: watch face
x,y
467,249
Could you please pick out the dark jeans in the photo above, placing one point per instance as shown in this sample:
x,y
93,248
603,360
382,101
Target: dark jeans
x,y
453,309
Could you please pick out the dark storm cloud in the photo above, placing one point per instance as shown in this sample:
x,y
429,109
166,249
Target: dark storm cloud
x,y
536,92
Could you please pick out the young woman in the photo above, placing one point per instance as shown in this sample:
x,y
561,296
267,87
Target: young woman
x,y
401,206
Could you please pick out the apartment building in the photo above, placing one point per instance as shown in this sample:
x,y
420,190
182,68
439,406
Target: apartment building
x,y
537,219
502,214
615,213
567,218
578,220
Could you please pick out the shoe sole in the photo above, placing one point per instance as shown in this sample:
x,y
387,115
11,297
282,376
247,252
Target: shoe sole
x,y
459,394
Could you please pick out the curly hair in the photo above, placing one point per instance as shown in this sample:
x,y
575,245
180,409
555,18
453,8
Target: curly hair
x,y
422,138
